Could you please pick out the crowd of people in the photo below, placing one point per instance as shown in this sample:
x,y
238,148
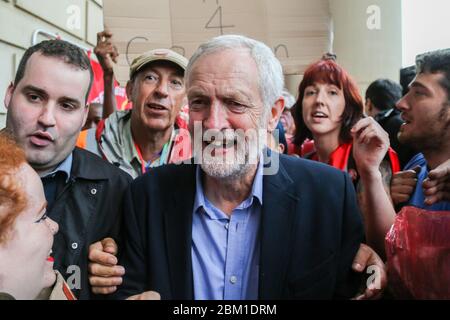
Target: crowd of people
x,y
254,195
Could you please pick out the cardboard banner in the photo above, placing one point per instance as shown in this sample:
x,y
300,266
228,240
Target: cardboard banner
x,y
299,31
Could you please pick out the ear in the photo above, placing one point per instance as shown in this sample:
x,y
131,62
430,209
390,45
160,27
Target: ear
x,y
280,148
85,115
129,89
368,106
8,95
275,114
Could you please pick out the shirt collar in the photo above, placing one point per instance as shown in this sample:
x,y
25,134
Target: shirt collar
x,y
134,155
64,167
257,188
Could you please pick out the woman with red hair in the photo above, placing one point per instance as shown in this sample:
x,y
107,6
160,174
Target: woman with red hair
x,y
26,233
329,111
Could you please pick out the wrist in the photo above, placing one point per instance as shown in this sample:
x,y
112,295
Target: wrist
x,y
370,174
108,75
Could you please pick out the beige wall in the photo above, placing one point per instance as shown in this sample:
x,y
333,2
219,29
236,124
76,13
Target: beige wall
x,y
74,20
297,30
366,49
368,54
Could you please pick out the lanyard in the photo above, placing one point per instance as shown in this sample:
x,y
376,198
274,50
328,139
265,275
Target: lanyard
x,y
141,159
162,155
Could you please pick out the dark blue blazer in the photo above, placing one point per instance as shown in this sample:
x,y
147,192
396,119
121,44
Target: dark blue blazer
x,y
310,231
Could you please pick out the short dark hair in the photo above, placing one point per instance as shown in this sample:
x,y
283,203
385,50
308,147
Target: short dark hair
x,y
436,62
407,75
328,71
70,53
384,93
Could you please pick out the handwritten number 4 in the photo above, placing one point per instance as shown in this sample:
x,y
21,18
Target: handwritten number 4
x,y
220,26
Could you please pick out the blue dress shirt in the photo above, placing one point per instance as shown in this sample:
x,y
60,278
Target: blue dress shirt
x,y
225,249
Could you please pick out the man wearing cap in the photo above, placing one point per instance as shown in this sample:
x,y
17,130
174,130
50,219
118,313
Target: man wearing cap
x,y
146,136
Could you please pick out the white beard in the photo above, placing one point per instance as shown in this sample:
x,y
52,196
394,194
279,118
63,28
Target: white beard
x,y
239,161
235,164
218,167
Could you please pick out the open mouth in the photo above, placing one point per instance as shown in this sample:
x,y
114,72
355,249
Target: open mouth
x,y
50,258
225,144
41,138
155,106
319,114
406,120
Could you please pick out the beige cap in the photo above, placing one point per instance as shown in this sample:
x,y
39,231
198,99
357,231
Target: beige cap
x,y
158,55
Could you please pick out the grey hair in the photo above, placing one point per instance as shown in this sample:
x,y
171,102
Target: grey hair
x,y
271,80
289,99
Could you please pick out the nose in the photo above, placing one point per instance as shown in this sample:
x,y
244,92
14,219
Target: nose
x,y
162,88
216,117
402,104
320,97
47,116
52,225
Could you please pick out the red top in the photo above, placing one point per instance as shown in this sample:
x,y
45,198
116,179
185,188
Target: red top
x,y
339,157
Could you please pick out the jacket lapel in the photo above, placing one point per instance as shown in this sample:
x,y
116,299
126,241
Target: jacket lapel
x,y
178,228
277,225
278,213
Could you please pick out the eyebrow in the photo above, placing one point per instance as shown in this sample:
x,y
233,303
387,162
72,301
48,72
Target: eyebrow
x,y
45,94
72,100
40,91
239,95
173,73
236,95
315,85
196,92
417,84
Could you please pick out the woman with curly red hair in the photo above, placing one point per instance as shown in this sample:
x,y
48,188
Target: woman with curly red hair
x,y
26,233
329,111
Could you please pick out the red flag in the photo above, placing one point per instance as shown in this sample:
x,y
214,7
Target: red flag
x,y
97,91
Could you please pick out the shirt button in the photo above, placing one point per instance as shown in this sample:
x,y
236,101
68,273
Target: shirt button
x,y
74,246
233,279
93,191
227,225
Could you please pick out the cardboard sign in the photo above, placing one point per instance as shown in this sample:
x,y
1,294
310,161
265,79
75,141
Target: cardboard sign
x,y
297,30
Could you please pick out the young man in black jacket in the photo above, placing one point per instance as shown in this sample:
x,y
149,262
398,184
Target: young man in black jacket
x,y
46,106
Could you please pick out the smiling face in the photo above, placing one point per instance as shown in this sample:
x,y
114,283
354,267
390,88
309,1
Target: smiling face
x,y
224,96
157,93
426,112
25,266
322,109
46,110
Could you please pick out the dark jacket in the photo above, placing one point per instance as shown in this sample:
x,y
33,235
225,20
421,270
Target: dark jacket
x,y
310,232
87,209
